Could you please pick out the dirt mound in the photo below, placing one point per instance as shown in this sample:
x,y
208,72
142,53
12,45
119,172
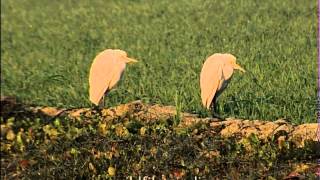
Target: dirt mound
x,y
280,130
138,138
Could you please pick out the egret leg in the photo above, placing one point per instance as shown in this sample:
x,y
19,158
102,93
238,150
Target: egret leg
x,y
102,103
214,107
214,110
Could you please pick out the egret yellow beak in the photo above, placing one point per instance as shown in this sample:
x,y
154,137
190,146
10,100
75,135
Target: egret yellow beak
x,y
130,60
237,66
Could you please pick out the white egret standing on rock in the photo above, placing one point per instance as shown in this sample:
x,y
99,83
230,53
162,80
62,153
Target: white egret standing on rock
x,y
105,72
215,75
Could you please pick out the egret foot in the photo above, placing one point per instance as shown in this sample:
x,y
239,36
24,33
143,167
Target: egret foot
x,y
215,115
100,106
215,111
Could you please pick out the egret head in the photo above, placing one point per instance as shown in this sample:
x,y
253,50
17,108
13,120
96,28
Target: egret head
x,y
231,61
122,55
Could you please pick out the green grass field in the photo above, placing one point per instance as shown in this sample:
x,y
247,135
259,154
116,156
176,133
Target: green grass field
x,y
47,48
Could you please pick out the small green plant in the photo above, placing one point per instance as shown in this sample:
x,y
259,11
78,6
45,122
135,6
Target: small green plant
x,y
178,105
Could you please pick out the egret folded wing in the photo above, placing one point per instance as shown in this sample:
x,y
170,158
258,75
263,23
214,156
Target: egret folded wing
x,y
210,78
101,74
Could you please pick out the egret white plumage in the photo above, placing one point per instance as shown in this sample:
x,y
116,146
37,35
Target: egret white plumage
x,y
105,72
215,75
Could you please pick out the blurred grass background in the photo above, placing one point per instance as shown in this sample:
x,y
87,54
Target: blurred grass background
x,y
47,48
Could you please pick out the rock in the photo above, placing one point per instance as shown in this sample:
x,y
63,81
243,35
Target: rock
x,y
281,122
267,129
230,130
303,133
249,131
50,111
78,112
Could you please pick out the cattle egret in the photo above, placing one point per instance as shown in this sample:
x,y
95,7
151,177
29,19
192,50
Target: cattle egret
x,y
105,72
215,75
